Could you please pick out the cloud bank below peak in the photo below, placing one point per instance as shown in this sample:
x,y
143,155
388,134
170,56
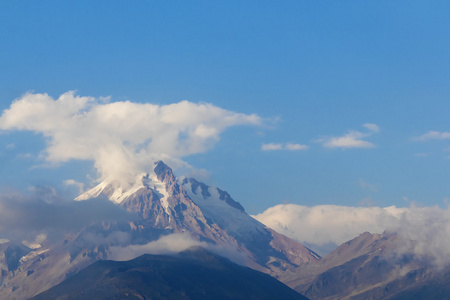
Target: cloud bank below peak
x,y
120,136
322,225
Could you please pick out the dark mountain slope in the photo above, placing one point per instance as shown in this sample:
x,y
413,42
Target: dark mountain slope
x,y
192,274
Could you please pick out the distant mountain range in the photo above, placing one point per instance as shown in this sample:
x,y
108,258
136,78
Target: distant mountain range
x,y
164,211
192,274
371,267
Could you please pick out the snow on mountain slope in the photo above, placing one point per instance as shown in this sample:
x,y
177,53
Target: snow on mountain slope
x,y
115,192
219,207
216,205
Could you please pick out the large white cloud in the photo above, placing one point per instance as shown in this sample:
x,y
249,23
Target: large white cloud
x,y
428,227
120,137
324,224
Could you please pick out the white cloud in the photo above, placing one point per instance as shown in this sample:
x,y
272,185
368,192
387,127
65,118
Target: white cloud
x,y
295,147
288,146
372,127
353,139
174,243
169,244
120,137
428,227
271,147
433,135
327,223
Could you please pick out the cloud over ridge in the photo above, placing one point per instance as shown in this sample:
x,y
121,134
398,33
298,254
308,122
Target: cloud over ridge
x,y
120,136
427,227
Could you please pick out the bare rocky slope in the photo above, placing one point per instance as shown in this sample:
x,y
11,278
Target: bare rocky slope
x,y
371,267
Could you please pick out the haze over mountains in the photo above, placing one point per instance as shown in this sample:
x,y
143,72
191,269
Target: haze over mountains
x,y
162,214
163,218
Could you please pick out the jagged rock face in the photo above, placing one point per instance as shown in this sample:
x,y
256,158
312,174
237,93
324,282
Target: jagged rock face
x,y
159,204
297,255
172,209
10,255
145,202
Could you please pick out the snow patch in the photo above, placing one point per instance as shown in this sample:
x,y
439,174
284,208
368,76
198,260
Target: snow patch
x,y
117,193
151,180
32,254
94,192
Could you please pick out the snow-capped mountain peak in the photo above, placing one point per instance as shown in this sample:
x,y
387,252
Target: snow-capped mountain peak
x,y
117,191
159,205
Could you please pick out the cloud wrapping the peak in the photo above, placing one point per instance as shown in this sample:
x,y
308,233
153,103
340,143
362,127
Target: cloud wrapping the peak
x,y
120,137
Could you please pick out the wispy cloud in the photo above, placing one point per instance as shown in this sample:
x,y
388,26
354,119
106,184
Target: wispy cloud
x,y
47,212
421,155
372,127
433,135
353,139
288,146
174,243
368,186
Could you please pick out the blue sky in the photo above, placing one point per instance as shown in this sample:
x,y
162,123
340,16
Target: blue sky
x,y
311,70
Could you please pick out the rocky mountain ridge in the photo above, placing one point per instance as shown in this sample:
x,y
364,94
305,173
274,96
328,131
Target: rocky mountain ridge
x,y
371,266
